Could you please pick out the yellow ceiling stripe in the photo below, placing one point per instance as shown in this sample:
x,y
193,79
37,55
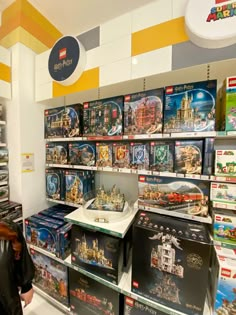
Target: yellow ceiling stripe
x,y
5,73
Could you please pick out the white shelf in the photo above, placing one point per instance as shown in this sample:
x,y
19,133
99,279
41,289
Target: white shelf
x,y
17,220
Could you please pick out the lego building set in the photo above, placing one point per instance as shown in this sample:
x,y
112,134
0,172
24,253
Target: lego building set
x,y
225,162
162,156
224,226
120,155
56,153
103,154
224,194
139,155
82,153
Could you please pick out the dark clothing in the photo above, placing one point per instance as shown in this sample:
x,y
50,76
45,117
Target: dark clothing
x,y
14,275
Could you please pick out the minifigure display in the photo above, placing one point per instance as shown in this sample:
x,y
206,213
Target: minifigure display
x,y
162,156
139,155
103,154
175,255
224,195
120,155
225,162
82,153
143,112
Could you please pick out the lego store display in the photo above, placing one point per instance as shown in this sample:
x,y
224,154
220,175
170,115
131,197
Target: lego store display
x,y
143,112
224,226
188,157
223,194
139,155
54,184
82,153
173,267
98,253
133,307
190,107
175,195
104,117
162,156
103,154
225,162
51,277
89,297
120,155
56,153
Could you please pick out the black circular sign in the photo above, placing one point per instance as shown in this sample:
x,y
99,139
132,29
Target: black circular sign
x,y
64,58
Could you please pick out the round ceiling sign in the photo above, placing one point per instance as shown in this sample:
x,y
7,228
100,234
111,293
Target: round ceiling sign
x,y
67,60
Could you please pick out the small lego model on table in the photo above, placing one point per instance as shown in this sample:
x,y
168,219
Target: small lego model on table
x,y
162,156
103,154
225,162
121,158
82,153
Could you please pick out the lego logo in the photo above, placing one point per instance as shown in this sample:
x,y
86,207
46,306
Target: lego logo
x,y
226,272
32,251
46,112
72,307
86,105
232,82
219,152
135,284
218,218
152,143
142,178
214,185
169,90
66,235
73,258
47,145
127,98
26,222
129,301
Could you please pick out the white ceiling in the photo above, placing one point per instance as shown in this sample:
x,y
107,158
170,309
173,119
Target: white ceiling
x,y
73,17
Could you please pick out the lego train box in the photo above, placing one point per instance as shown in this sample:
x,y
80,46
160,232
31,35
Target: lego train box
x,y
176,195
224,226
82,153
97,253
90,297
143,112
139,155
56,153
225,162
162,156
51,277
134,307
173,267
188,157
224,195
228,101
10,210
190,107
103,154
120,155
104,117
54,184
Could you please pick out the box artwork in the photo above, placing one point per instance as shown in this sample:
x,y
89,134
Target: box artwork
x,y
208,156
134,307
228,111
104,154
51,277
54,184
173,267
56,153
73,121
225,226
120,155
143,112
89,297
81,153
190,107
224,193
139,155
104,117
225,162
175,195
97,253
76,185
188,157
162,156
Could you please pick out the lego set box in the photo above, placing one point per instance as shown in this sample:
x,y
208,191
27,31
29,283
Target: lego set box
x,y
4,193
56,153
54,184
162,156
139,155
173,268
208,156
224,226
3,155
188,157
63,122
97,253
120,155
174,194
51,277
190,107
10,210
143,112
134,307
82,153
89,297
225,162
224,193
103,154
104,117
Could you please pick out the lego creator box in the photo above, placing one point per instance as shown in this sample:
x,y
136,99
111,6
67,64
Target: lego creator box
x,y
54,119
56,153
143,112
224,194
208,156
139,155
75,186
97,253
190,107
225,162
224,226
104,154
228,108
104,117
134,307
51,277
188,157
120,155
173,267
177,195
54,184
73,121
162,156
89,297
82,153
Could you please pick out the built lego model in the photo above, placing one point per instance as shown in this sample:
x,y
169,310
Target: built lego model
x,y
190,107
120,155
82,153
225,162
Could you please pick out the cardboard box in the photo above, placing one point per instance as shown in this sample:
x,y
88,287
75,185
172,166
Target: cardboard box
x,y
54,184
224,194
120,155
103,154
225,162
228,109
82,153
139,155
224,226
56,153
162,156
134,307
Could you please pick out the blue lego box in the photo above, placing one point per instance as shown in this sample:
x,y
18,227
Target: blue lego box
x,y
190,107
3,155
82,153
73,121
176,195
104,154
54,184
56,153
143,112
53,122
64,241
76,186
104,117
51,277
52,220
139,155
162,156
120,155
